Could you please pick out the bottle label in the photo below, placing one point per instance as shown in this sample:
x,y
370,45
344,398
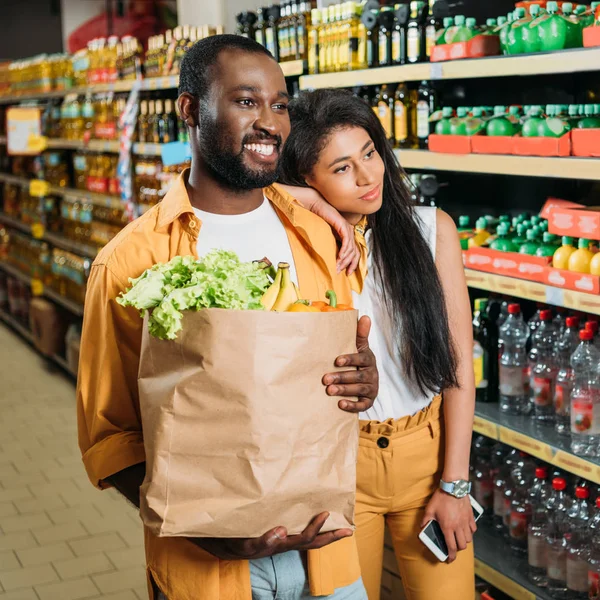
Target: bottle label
x,y
270,40
430,37
105,131
478,365
396,48
259,36
583,417
542,391
536,551
412,44
370,53
400,121
301,48
484,493
577,573
498,502
422,119
593,585
556,563
512,381
80,162
383,49
527,380
562,399
385,117
518,525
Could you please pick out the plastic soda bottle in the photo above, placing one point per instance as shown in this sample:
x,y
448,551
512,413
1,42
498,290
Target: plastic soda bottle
x,y
538,528
543,370
567,344
556,549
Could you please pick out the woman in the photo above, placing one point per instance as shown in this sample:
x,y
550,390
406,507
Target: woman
x,y
417,298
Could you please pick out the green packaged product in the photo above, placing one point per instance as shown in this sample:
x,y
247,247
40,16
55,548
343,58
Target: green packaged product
x,y
500,125
458,125
503,243
442,127
465,29
531,245
530,34
548,246
503,32
532,122
441,37
514,38
556,31
591,119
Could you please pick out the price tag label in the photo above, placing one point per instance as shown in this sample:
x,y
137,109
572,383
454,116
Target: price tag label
x,y
23,125
485,427
526,443
152,83
37,143
555,296
37,287
436,72
38,230
38,188
502,582
578,466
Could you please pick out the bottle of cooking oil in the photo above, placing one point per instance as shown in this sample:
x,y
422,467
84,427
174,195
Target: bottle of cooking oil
x,y
302,27
386,25
324,51
358,39
283,32
334,40
293,30
385,111
271,33
153,135
111,59
402,131
170,134
142,129
314,42
344,55
88,115
398,42
172,48
259,30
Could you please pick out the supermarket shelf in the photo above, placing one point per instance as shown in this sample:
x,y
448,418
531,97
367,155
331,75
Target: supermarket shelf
x,y
497,164
118,86
26,334
567,61
147,149
537,292
93,197
72,307
52,238
535,438
496,564
112,146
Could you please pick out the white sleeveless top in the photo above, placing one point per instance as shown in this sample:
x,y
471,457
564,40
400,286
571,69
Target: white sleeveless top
x,y
398,396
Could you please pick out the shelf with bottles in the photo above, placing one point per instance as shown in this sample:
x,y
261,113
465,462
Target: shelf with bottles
x,y
536,438
529,290
497,164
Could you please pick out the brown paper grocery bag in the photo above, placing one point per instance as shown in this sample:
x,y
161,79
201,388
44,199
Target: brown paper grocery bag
x,y
240,435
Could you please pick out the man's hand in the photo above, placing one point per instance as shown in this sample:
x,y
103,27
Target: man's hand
x,y
274,541
363,380
455,517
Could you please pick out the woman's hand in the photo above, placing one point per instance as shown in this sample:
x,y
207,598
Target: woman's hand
x,y
455,517
310,199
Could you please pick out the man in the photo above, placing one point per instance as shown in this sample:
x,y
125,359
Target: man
x,y
233,100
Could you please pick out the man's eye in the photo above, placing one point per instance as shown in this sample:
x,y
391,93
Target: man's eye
x,y
246,102
280,106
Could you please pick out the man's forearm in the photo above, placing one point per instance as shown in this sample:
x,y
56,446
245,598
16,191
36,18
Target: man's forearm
x,y
128,482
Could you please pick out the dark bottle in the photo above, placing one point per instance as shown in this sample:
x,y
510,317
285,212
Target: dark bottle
x,y
432,25
161,123
386,26
171,119
303,22
415,34
371,23
293,32
485,354
425,108
153,134
271,40
259,29
399,35
385,111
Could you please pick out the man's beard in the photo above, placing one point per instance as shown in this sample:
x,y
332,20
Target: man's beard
x,y
227,167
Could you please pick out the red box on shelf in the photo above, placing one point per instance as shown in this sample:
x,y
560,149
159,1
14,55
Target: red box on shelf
x,y
450,144
578,282
476,47
542,146
591,36
483,144
585,142
509,264
575,220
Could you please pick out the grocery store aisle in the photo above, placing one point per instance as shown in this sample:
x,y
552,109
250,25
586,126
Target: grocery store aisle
x,y
60,539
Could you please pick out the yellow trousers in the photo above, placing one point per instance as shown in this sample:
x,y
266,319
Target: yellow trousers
x,y
399,467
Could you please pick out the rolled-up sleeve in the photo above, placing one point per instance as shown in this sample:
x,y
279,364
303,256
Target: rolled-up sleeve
x,y
108,411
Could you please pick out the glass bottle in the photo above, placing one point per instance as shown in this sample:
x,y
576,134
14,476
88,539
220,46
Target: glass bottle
x,y
425,108
293,31
432,26
386,25
385,110
398,42
271,33
153,135
143,122
343,36
170,133
261,23
302,27
358,39
313,41
594,555
485,354
415,35
372,41
402,133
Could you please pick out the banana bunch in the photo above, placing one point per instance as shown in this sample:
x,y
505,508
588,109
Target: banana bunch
x,y
283,292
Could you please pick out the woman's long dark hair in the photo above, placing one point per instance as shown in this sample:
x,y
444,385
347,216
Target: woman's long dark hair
x,y
404,263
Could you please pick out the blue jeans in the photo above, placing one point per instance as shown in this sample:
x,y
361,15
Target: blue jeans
x,y
283,577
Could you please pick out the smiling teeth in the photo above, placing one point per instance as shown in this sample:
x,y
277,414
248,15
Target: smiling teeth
x,y
264,149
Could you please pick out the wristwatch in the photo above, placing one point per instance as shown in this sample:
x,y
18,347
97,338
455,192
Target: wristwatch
x,y
459,488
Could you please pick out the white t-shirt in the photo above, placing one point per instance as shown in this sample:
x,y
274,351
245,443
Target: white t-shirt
x,y
398,395
252,236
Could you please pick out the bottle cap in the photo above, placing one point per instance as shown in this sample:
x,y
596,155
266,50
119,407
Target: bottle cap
x,y
567,240
548,237
458,19
598,501
523,454
531,234
572,322
481,223
447,111
567,7
586,335
463,221
546,315
582,492
541,472
514,309
471,22
592,326
559,483
481,303
583,243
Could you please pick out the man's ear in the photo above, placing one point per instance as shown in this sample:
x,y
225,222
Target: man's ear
x,y
188,109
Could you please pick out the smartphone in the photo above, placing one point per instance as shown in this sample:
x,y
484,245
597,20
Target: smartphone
x,y
433,537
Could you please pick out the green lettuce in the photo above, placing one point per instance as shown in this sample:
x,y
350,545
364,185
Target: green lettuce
x,y
218,280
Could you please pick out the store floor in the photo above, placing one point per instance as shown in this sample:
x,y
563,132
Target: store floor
x,y
60,538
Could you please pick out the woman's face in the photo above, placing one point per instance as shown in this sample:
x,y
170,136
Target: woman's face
x,y
349,173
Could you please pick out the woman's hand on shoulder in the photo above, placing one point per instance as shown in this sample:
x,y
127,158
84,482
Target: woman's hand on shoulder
x,y
455,517
349,253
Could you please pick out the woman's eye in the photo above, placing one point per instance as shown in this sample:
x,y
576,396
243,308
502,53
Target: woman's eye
x,y
370,153
342,169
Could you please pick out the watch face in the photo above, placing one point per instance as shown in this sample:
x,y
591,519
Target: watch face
x,y
461,489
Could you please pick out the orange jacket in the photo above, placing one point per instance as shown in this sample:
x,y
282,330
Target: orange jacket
x,y
110,430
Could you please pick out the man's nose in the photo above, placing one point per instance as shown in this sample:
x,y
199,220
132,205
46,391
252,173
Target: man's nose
x,y
266,121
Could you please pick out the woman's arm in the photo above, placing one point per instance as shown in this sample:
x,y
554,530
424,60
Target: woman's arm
x,y
310,199
455,516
